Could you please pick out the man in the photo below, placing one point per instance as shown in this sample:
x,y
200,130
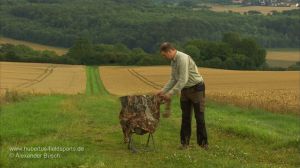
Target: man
x,y
185,78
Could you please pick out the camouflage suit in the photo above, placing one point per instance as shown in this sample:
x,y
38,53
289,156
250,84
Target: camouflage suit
x,y
139,114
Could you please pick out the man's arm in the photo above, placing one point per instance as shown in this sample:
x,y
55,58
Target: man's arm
x,y
170,83
183,75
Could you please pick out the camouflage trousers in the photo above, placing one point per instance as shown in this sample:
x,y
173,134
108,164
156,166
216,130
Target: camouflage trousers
x,y
193,98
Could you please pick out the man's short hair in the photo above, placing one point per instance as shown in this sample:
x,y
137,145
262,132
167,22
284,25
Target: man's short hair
x,y
166,46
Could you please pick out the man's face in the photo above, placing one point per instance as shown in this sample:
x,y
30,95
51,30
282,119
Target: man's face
x,y
168,54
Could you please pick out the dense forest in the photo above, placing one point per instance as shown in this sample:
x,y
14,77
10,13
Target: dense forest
x,y
139,24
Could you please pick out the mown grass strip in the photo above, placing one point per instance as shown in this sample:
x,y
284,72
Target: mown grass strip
x,y
101,87
88,89
94,85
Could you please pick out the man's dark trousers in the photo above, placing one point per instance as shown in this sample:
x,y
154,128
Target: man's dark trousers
x,y
193,98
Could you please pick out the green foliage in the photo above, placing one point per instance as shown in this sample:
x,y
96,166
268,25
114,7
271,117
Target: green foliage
x,y
22,53
139,24
104,54
194,51
215,62
232,52
82,51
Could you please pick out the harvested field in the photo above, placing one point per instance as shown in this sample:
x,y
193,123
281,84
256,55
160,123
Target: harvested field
x,y
42,78
273,91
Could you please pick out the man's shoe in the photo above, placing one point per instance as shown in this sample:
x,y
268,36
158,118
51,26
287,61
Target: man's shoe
x,y
183,147
204,146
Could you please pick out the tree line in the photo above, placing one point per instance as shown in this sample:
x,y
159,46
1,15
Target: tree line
x,y
232,52
82,52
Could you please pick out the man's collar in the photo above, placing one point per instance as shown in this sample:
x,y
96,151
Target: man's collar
x,y
175,57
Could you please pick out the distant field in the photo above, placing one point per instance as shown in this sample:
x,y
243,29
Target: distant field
x,y
242,9
35,46
274,91
282,58
42,78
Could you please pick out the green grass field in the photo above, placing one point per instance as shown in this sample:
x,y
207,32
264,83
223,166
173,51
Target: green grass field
x,y
238,137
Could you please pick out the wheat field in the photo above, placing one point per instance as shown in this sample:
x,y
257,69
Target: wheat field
x,y
42,78
273,91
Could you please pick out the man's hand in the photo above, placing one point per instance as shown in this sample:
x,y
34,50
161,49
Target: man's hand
x,y
167,96
159,93
167,100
